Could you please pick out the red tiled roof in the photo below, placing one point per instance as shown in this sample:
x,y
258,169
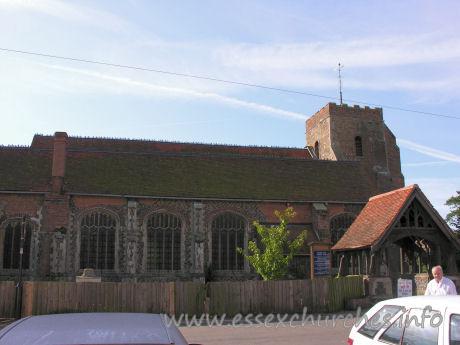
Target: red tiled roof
x,y
128,145
376,217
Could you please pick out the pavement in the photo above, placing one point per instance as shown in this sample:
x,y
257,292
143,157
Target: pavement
x,y
270,334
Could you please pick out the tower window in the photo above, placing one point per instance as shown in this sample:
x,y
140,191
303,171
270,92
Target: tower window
x,y
359,146
317,149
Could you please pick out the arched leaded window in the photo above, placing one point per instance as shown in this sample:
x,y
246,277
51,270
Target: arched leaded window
x,y
10,239
163,242
339,225
97,241
227,235
359,146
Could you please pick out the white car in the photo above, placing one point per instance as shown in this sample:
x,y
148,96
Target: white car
x,y
92,328
417,320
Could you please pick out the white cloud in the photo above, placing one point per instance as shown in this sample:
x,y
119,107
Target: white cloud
x,y
69,11
429,151
422,164
159,90
311,64
374,52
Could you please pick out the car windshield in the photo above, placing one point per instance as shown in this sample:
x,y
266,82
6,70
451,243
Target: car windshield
x,y
379,319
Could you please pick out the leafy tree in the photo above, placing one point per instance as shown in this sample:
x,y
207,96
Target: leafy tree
x,y
453,217
270,261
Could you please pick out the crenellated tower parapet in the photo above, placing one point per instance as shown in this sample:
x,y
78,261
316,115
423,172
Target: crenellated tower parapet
x,y
352,133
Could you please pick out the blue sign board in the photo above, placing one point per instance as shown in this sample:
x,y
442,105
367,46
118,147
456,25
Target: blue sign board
x,y
321,263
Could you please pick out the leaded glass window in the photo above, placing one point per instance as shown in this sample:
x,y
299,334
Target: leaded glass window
x,y
163,242
11,244
227,235
97,241
339,225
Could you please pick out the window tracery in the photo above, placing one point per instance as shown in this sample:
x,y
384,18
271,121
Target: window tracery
x,y
97,241
338,226
228,230
415,217
11,244
164,242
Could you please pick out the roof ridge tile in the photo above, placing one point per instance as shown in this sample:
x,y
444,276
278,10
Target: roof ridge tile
x,y
399,190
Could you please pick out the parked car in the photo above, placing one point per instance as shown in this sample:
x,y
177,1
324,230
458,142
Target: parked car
x,y
417,320
92,328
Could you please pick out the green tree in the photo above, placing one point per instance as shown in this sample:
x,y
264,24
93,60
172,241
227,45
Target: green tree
x,y
453,217
270,261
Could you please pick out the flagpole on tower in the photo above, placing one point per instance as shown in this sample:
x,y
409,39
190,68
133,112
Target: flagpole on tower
x,y
340,81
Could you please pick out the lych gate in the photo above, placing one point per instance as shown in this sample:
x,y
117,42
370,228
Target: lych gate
x,y
398,235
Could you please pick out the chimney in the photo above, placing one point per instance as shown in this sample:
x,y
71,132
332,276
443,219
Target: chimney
x,y
59,158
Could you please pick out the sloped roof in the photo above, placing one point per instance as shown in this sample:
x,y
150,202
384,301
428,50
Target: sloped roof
x,y
178,170
25,169
377,216
215,176
144,146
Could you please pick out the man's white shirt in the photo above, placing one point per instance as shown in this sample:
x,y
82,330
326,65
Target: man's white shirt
x,y
443,288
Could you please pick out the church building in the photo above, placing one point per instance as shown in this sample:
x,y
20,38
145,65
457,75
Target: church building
x,y
141,210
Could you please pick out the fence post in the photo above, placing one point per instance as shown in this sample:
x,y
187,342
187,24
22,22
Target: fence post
x,y
27,298
171,299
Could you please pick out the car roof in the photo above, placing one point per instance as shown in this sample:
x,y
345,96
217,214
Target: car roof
x,y
90,328
422,301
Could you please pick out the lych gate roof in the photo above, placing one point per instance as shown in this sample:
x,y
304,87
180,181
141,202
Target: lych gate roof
x,y
157,169
380,215
377,216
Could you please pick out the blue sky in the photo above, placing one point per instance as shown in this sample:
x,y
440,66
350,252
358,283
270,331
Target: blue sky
x,y
399,54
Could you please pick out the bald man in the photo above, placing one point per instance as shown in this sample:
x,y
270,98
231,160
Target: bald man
x,y
440,285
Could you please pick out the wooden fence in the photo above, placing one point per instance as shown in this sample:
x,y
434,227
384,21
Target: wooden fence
x,y
217,298
344,288
7,295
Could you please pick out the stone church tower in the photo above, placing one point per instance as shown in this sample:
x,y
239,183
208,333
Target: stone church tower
x,y
343,133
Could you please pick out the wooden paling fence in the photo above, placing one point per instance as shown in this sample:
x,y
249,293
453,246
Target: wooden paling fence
x,y
341,289
288,296
193,298
7,294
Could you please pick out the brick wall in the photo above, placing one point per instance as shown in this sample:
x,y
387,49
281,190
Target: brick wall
x,y
318,130
335,127
18,205
394,159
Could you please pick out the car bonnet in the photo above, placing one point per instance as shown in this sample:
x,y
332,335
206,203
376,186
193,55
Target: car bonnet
x,y
87,328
